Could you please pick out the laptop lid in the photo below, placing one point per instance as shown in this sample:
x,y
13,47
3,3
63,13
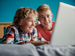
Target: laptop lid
x,y
64,28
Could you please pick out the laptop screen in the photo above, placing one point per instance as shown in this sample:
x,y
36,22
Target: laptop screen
x,y
64,28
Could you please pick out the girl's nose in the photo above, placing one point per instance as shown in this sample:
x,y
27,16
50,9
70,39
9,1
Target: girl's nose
x,y
33,23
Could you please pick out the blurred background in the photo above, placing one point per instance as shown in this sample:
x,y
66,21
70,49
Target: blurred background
x,y
8,7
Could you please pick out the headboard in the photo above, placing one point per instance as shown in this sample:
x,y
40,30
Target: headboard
x,y
2,26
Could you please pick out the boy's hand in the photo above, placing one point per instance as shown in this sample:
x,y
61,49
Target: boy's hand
x,y
37,43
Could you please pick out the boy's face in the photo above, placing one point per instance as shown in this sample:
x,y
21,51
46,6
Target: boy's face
x,y
45,19
28,24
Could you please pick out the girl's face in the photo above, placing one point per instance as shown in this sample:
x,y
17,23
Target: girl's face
x,y
28,24
45,19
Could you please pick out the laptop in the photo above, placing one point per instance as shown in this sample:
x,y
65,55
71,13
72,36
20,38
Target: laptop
x,y
64,28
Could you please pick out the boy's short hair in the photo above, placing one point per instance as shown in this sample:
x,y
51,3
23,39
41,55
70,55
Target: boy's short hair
x,y
23,13
43,7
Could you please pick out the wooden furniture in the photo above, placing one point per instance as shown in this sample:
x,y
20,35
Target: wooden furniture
x,y
2,25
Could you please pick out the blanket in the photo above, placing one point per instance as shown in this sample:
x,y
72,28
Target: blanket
x,y
31,50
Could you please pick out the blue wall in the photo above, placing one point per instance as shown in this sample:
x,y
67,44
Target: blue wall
x,y
9,7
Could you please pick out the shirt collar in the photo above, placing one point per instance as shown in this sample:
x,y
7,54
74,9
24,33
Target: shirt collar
x,y
21,31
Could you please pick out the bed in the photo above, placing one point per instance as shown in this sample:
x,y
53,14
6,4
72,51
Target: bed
x,y
31,50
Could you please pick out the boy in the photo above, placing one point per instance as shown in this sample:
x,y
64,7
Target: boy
x,y
45,17
23,29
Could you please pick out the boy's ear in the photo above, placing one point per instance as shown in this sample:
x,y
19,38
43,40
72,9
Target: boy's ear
x,y
51,15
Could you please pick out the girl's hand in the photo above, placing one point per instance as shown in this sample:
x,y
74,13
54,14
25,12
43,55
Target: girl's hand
x,y
37,43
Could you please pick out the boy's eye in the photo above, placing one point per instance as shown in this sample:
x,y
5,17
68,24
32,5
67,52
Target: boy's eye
x,y
42,17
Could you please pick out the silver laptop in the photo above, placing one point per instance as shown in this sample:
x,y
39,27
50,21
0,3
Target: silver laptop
x,y
64,28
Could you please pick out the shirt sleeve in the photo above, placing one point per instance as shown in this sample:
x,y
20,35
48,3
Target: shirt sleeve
x,y
9,37
35,36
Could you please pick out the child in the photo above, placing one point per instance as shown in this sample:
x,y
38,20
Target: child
x,y
23,29
45,27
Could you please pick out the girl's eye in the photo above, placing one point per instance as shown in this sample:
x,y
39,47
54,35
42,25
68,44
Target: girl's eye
x,y
30,20
48,16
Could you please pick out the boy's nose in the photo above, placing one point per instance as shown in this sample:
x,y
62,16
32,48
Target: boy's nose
x,y
46,19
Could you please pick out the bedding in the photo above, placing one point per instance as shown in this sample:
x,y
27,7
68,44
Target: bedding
x,y
42,50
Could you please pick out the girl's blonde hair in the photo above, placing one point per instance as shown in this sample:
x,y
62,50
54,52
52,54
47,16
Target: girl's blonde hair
x,y
43,7
23,13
